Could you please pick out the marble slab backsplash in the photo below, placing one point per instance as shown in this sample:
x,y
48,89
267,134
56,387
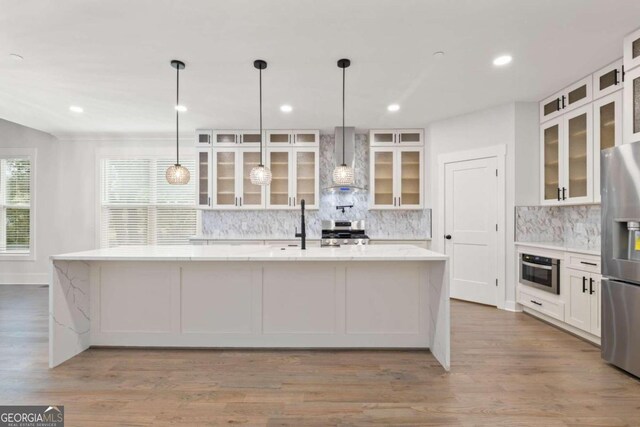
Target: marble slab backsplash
x,y
573,226
281,224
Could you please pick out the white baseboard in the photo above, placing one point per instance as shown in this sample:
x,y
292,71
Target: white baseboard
x,y
24,279
512,306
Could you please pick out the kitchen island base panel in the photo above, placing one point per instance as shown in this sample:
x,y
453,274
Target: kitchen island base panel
x,y
245,304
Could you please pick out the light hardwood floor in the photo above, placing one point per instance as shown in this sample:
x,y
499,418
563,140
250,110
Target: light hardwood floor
x,y
508,369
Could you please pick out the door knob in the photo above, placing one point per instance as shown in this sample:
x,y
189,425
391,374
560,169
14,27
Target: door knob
x,y
447,236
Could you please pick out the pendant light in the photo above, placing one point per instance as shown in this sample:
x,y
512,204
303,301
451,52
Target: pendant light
x,y
343,174
177,174
260,175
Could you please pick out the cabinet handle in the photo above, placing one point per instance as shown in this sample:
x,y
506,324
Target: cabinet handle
x,y
209,201
615,77
289,200
559,194
240,138
240,201
558,105
294,201
589,263
584,284
563,103
236,201
623,73
591,291
394,201
564,193
399,201
536,302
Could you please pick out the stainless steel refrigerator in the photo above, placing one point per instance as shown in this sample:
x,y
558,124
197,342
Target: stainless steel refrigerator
x,y
620,189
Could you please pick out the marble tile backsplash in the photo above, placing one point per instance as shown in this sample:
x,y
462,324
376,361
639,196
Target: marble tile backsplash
x,y
572,226
279,224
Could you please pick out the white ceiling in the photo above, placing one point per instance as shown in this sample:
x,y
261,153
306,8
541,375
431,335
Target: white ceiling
x,y
112,58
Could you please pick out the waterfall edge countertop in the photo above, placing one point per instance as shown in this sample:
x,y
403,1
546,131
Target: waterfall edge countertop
x,y
255,253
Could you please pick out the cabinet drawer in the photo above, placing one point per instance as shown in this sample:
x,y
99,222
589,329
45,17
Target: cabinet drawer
x,y
553,309
583,262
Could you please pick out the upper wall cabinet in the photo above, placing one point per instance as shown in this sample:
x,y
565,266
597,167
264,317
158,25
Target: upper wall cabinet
x,y
631,51
396,169
574,96
395,137
608,79
224,165
302,138
566,161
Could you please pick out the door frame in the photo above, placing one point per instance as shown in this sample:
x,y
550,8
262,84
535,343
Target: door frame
x,y
500,153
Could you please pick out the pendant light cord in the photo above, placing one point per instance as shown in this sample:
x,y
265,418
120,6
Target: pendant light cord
x,y
177,113
261,164
343,141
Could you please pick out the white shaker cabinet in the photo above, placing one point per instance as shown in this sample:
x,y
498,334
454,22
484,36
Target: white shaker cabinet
x,y
203,175
567,158
396,137
608,79
295,172
397,177
583,300
570,98
607,132
231,187
298,138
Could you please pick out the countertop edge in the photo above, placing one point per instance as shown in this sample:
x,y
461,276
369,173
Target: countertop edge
x,y
559,247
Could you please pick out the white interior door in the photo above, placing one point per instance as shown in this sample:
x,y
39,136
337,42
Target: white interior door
x,y
471,218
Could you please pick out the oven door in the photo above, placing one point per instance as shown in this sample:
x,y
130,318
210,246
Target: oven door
x,y
540,276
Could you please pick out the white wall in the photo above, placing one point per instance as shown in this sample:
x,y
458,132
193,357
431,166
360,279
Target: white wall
x,y
46,168
511,125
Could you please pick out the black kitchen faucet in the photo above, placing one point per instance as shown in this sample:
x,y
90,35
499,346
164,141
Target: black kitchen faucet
x,y
303,231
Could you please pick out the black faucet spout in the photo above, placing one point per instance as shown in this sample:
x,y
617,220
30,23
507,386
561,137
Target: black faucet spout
x,y
303,228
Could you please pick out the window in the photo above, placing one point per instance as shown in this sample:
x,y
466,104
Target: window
x,y
16,221
139,207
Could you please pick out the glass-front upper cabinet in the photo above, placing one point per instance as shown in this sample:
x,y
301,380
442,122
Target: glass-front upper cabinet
x,y
579,173
394,137
572,97
396,175
306,183
225,178
550,135
250,195
279,191
631,49
631,106
203,185
203,138
306,138
607,132
607,80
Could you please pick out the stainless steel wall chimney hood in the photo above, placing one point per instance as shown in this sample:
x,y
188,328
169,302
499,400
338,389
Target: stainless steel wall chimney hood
x,y
349,158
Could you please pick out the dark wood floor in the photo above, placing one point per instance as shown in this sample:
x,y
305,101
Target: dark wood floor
x,y
508,369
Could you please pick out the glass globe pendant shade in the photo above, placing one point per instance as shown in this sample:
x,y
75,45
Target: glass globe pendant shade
x,y
260,175
343,175
178,175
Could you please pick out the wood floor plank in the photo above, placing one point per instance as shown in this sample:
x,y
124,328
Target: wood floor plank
x,y
508,369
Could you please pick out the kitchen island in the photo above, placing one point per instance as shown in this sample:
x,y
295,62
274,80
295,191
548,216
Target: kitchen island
x,y
250,296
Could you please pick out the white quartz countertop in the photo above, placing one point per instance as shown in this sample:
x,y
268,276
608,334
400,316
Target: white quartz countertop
x,y
556,246
255,253
309,239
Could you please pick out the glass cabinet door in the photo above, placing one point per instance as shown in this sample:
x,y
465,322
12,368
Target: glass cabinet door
x,y
381,137
251,195
383,178
303,138
550,108
278,191
226,178
225,138
631,109
306,163
250,138
409,137
410,178
607,80
631,49
578,131
202,186
551,162
278,137
578,94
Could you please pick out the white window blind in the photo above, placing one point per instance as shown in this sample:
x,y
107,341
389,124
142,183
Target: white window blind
x,y
15,206
139,207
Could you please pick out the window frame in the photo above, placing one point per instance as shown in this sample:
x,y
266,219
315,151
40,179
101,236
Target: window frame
x,y
157,153
31,155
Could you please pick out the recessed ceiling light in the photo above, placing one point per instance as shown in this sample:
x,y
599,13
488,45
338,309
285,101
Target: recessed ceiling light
x,y
502,60
16,57
181,108
439,54
76,109
393,107
286,108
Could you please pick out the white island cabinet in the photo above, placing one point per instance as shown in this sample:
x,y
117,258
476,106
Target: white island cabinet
x,y
250,296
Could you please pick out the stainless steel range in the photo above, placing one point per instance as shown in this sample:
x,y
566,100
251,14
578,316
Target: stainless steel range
x,y
336,233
